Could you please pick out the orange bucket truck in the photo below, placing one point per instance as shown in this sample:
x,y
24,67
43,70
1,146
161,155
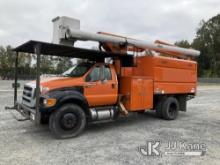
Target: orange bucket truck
x,y
124,76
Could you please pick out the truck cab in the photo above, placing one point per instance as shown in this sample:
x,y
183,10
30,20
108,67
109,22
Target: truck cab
x,y
87,84
96,81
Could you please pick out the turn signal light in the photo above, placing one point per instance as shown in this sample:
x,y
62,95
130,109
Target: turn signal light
x,y
50,102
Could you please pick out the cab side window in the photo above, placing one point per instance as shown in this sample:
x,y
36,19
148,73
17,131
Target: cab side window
x,y
107,73
94,75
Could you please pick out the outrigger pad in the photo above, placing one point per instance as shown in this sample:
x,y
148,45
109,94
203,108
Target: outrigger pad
x,y
69,51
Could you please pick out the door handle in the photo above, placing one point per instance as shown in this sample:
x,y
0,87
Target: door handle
x,y
114,85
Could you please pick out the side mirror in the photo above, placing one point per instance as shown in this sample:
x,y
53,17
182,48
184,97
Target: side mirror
x,y
104,81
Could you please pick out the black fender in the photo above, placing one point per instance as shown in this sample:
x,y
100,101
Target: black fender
x,y
69,95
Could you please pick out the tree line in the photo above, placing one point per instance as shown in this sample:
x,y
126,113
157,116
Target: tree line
x,y
27,64
207,40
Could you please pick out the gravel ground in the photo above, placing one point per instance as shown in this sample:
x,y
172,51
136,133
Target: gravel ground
x,y
114,142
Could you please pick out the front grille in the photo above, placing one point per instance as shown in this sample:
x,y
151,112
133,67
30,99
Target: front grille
x,y
25,99
28,96
25,93
27,88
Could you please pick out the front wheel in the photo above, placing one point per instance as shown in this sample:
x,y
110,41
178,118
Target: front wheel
x,y
68,121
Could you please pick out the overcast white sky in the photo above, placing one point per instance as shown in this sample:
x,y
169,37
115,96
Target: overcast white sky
x,y
170,20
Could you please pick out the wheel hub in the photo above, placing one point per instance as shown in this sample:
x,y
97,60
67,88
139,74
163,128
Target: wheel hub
x,y
68,121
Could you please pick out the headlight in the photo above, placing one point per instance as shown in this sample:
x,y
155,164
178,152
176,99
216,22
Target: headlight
x,y
49,102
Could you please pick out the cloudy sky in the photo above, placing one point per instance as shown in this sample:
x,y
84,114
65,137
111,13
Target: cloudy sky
x,y
170,20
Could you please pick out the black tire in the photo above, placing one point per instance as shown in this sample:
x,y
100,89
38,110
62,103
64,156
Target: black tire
x,y
68,121
141,112
170,108
44,119
158,107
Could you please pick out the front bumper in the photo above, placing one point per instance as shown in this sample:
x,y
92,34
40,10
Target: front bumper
x,y
28,113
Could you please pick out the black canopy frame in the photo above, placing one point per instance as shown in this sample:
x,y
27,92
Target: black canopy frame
x,y
44,48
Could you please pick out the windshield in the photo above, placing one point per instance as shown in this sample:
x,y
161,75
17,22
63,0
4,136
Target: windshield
x,y
78,70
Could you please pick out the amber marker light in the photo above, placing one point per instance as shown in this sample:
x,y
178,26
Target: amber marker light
x,y
49,102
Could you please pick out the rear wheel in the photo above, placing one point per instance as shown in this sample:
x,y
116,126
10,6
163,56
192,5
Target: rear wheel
x,y
170,108
158,107
68,121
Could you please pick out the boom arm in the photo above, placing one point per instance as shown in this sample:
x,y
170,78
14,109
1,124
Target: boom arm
x,y
72,34
69,34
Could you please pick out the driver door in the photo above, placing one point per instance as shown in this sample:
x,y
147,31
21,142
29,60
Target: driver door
x,y
100,88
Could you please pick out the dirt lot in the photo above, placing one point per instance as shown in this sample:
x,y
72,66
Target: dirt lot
x,y
115,142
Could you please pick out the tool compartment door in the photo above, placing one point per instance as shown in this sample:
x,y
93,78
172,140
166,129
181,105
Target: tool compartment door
x,y
138,91
148,93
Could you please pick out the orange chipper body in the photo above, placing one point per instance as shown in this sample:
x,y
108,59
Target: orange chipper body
x,y
156,75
